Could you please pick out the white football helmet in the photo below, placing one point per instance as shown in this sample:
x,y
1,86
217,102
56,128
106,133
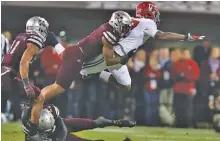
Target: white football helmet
x,y
47,119
39,26
121,22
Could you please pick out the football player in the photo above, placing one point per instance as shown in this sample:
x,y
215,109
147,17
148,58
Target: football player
x,y
23,49
144,26
116,41
53,127
99,41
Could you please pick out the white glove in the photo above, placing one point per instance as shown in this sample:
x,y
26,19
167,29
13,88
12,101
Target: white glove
x,y
190,37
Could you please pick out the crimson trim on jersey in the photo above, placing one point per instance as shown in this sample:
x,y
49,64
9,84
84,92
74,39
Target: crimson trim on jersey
x,y
134,23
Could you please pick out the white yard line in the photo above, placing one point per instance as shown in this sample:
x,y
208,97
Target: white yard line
x,y
186,138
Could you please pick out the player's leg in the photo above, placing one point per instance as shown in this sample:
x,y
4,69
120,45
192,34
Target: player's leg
x,y
119,77
79,124
67,73
46,94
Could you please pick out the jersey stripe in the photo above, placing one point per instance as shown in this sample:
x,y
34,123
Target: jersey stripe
x,y
36,37
92,64
122,49
134,23
112,36
108,38
36,42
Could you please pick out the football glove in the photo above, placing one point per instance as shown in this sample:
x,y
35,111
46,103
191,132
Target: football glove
x,y
125,58
190,37
32,91
29,91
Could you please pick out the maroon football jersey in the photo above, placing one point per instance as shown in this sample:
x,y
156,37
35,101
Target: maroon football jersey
x,y
92,44
19,45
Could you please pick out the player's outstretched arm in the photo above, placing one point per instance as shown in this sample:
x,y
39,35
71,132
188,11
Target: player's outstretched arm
x,y
175,36
29,53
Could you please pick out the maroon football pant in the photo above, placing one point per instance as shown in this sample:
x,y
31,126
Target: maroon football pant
x,y
78,124
70,68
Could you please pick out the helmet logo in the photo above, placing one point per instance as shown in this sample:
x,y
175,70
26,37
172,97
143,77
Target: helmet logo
x,y
150,6
118,17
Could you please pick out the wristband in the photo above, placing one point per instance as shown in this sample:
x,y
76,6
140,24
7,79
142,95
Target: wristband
x,y
186,37
25,81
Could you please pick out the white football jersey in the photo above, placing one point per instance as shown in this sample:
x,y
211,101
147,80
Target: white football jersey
x,y
142,30
145,28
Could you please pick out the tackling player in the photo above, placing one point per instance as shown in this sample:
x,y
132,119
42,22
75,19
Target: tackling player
x,y
99,41
144,26
52,126
23,49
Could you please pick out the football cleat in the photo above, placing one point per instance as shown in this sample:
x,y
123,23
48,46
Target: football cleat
x,y
124,123
127,139
103,122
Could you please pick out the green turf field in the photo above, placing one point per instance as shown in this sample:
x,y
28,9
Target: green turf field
x,y
12,132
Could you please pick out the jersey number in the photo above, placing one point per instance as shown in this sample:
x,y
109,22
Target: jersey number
x,y
14,46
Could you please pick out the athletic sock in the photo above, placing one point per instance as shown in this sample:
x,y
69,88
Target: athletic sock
x,y
104,75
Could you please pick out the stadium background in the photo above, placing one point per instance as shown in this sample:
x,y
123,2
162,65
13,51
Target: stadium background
x,y
92,98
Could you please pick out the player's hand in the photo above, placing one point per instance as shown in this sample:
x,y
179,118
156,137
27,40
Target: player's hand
x,y
31,91
51,40
190,37
132,53
124,59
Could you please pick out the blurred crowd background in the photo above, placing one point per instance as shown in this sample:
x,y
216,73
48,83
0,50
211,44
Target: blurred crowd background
x,y
174,84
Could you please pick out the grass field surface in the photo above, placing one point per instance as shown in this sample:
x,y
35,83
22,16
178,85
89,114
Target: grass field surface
x,y
12,132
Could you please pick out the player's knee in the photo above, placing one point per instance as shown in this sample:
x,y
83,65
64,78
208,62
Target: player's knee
x,y
125,86
128,87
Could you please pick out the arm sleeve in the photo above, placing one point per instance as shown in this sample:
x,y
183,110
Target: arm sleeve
x,y
36,41
149,26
